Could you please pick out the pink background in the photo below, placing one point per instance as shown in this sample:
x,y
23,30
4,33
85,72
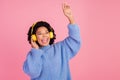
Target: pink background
x,y
99,21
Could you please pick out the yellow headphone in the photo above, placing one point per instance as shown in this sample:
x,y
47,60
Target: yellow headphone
x,y
33,36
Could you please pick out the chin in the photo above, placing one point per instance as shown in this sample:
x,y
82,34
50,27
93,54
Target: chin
x,y
44,45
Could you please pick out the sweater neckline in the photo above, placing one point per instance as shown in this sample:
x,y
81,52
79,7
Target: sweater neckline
x,y
45,47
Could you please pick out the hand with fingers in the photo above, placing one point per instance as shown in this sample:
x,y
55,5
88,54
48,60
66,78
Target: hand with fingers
x,y
34,44
68,12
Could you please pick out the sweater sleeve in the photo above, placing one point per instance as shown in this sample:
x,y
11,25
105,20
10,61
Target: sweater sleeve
x,y
73,42
33,63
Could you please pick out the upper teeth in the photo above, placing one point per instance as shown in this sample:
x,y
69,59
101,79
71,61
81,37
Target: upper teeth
x,y
44,40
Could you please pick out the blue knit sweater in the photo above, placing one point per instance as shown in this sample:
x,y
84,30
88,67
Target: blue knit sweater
x,y
52,62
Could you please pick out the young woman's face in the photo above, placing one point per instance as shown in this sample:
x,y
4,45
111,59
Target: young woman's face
x,y
43,36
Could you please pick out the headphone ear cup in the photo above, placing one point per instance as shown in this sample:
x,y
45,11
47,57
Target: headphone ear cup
x,y
34,38
51,35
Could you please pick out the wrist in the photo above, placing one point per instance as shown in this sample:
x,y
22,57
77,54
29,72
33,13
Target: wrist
x,y
35,47
71,20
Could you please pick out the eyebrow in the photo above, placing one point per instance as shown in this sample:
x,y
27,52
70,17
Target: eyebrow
x,y
41,31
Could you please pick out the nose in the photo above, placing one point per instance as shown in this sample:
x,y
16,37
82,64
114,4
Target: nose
x,y
44,35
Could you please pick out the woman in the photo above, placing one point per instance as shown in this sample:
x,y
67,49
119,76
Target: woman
x,y
48,60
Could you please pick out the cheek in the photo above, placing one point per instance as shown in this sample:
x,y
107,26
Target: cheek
x,y
48,35
39,37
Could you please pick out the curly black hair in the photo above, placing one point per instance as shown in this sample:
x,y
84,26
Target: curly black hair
x,y
40,24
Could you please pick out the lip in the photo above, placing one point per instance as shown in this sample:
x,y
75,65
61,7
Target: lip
x,y
45,40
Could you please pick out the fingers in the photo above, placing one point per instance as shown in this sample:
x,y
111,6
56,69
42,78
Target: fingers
x,y
65,6
32,40
34,44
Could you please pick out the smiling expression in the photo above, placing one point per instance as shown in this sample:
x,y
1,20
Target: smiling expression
x,y
43,36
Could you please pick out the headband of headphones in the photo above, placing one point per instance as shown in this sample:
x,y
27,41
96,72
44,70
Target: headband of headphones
x,y
51,29
33,27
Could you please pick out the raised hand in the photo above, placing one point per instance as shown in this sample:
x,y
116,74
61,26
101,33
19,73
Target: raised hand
x,y
68,12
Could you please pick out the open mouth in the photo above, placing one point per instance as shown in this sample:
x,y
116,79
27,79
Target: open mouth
x,y
44,40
